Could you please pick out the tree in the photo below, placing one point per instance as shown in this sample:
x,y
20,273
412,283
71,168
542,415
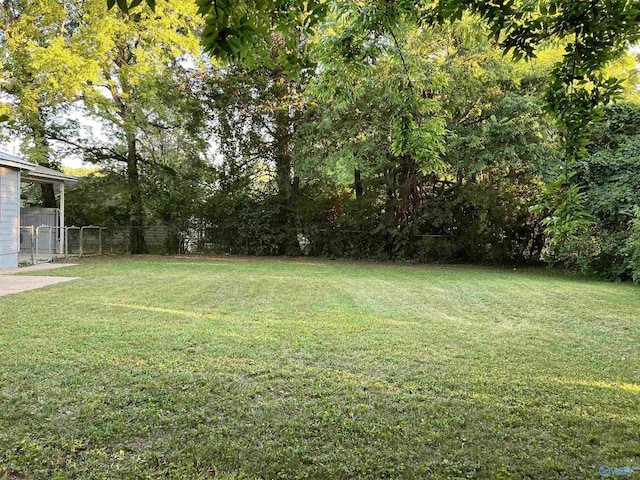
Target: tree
x,y
257,113
142,56
594,32
382,90
608,179
41,74
126,70
474,178
173,171
500,144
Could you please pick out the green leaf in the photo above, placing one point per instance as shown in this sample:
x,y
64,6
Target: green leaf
x,y
122,5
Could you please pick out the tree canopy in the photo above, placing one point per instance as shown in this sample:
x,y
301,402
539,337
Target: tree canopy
x,y
593,34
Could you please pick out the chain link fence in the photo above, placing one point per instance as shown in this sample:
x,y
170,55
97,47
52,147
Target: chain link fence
x,y
45,243
27,255
73,242
39,244
91,240
320,241
156,239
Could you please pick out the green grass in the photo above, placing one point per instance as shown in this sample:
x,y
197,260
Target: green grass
x,y
161,368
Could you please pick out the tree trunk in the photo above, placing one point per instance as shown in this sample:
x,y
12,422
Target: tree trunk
x,y
410,194
282,154
283,176
357,182
42,154
136,219
48,195
390,197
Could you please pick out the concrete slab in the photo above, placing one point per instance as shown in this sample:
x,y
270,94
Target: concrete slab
x,y
41,267
16,284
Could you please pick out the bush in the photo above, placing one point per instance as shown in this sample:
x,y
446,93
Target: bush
x,y
474,223
632,248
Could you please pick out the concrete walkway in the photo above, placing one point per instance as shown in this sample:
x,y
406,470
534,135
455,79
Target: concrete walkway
x,y
12,283
41,267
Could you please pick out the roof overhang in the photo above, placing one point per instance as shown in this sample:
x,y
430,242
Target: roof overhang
x,y
10,161
40,174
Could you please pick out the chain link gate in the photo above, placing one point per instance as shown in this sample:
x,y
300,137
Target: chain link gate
x,y
45,244
27,254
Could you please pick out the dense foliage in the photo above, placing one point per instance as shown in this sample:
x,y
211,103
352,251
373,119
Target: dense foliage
x,y
609,182
375,129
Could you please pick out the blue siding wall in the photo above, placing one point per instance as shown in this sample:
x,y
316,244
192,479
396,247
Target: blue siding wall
x,y
9,217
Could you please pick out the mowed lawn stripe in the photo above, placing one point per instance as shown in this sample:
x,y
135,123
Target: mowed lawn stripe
x,y
281,369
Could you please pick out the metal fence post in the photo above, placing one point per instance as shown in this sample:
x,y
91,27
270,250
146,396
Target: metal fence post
x,y
33,245
51,241
37,244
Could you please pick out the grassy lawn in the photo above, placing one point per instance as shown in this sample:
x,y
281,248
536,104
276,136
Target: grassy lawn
x,y
163,368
